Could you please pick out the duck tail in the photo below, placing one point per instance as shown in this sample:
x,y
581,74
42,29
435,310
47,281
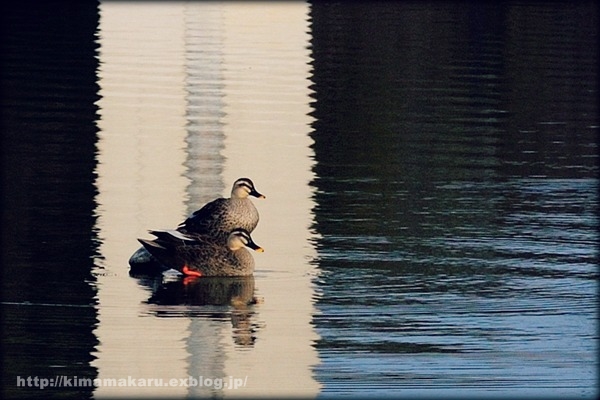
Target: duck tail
x,y
171,236
151,244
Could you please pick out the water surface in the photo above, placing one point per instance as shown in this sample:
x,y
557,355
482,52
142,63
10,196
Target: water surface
x,y
431,173
457,199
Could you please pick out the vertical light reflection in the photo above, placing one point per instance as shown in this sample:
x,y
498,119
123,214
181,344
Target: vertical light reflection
x,y
204,165
140,185
204,113
266,71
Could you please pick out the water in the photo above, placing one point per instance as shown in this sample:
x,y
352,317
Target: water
x,y
431,173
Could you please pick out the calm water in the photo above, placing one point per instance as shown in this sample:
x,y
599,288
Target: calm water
x,y
431,173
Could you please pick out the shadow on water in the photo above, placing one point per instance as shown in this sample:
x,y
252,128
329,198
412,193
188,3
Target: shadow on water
x,y
48,135
456,197
215,291
216,298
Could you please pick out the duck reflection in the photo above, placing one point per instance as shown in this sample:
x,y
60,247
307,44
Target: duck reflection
x,y
217,298
237,292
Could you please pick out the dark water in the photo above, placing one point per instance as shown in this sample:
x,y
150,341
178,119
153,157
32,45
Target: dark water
x,y
455,212
48,144
457,198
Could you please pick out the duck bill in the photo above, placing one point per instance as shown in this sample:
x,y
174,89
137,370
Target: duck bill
x,y
257,195
255,247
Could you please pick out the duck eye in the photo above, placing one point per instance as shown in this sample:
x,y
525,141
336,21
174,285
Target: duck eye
x,y
243,239
246,187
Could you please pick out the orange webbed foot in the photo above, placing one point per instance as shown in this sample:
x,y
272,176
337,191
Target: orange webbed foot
x,y
190,272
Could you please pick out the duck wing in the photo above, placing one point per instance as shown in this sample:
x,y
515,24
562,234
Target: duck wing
x,y
173,248
204,219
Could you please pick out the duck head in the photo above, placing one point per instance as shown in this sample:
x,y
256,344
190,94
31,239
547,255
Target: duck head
x,y
239,238
244,187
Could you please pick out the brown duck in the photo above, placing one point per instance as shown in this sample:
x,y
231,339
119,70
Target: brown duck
x,y
203,255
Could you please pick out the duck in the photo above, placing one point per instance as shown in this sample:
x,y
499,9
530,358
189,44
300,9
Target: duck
x,y
216,219
219,217
196,255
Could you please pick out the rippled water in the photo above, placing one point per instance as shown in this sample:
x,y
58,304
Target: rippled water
x,y
431,173
457,199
